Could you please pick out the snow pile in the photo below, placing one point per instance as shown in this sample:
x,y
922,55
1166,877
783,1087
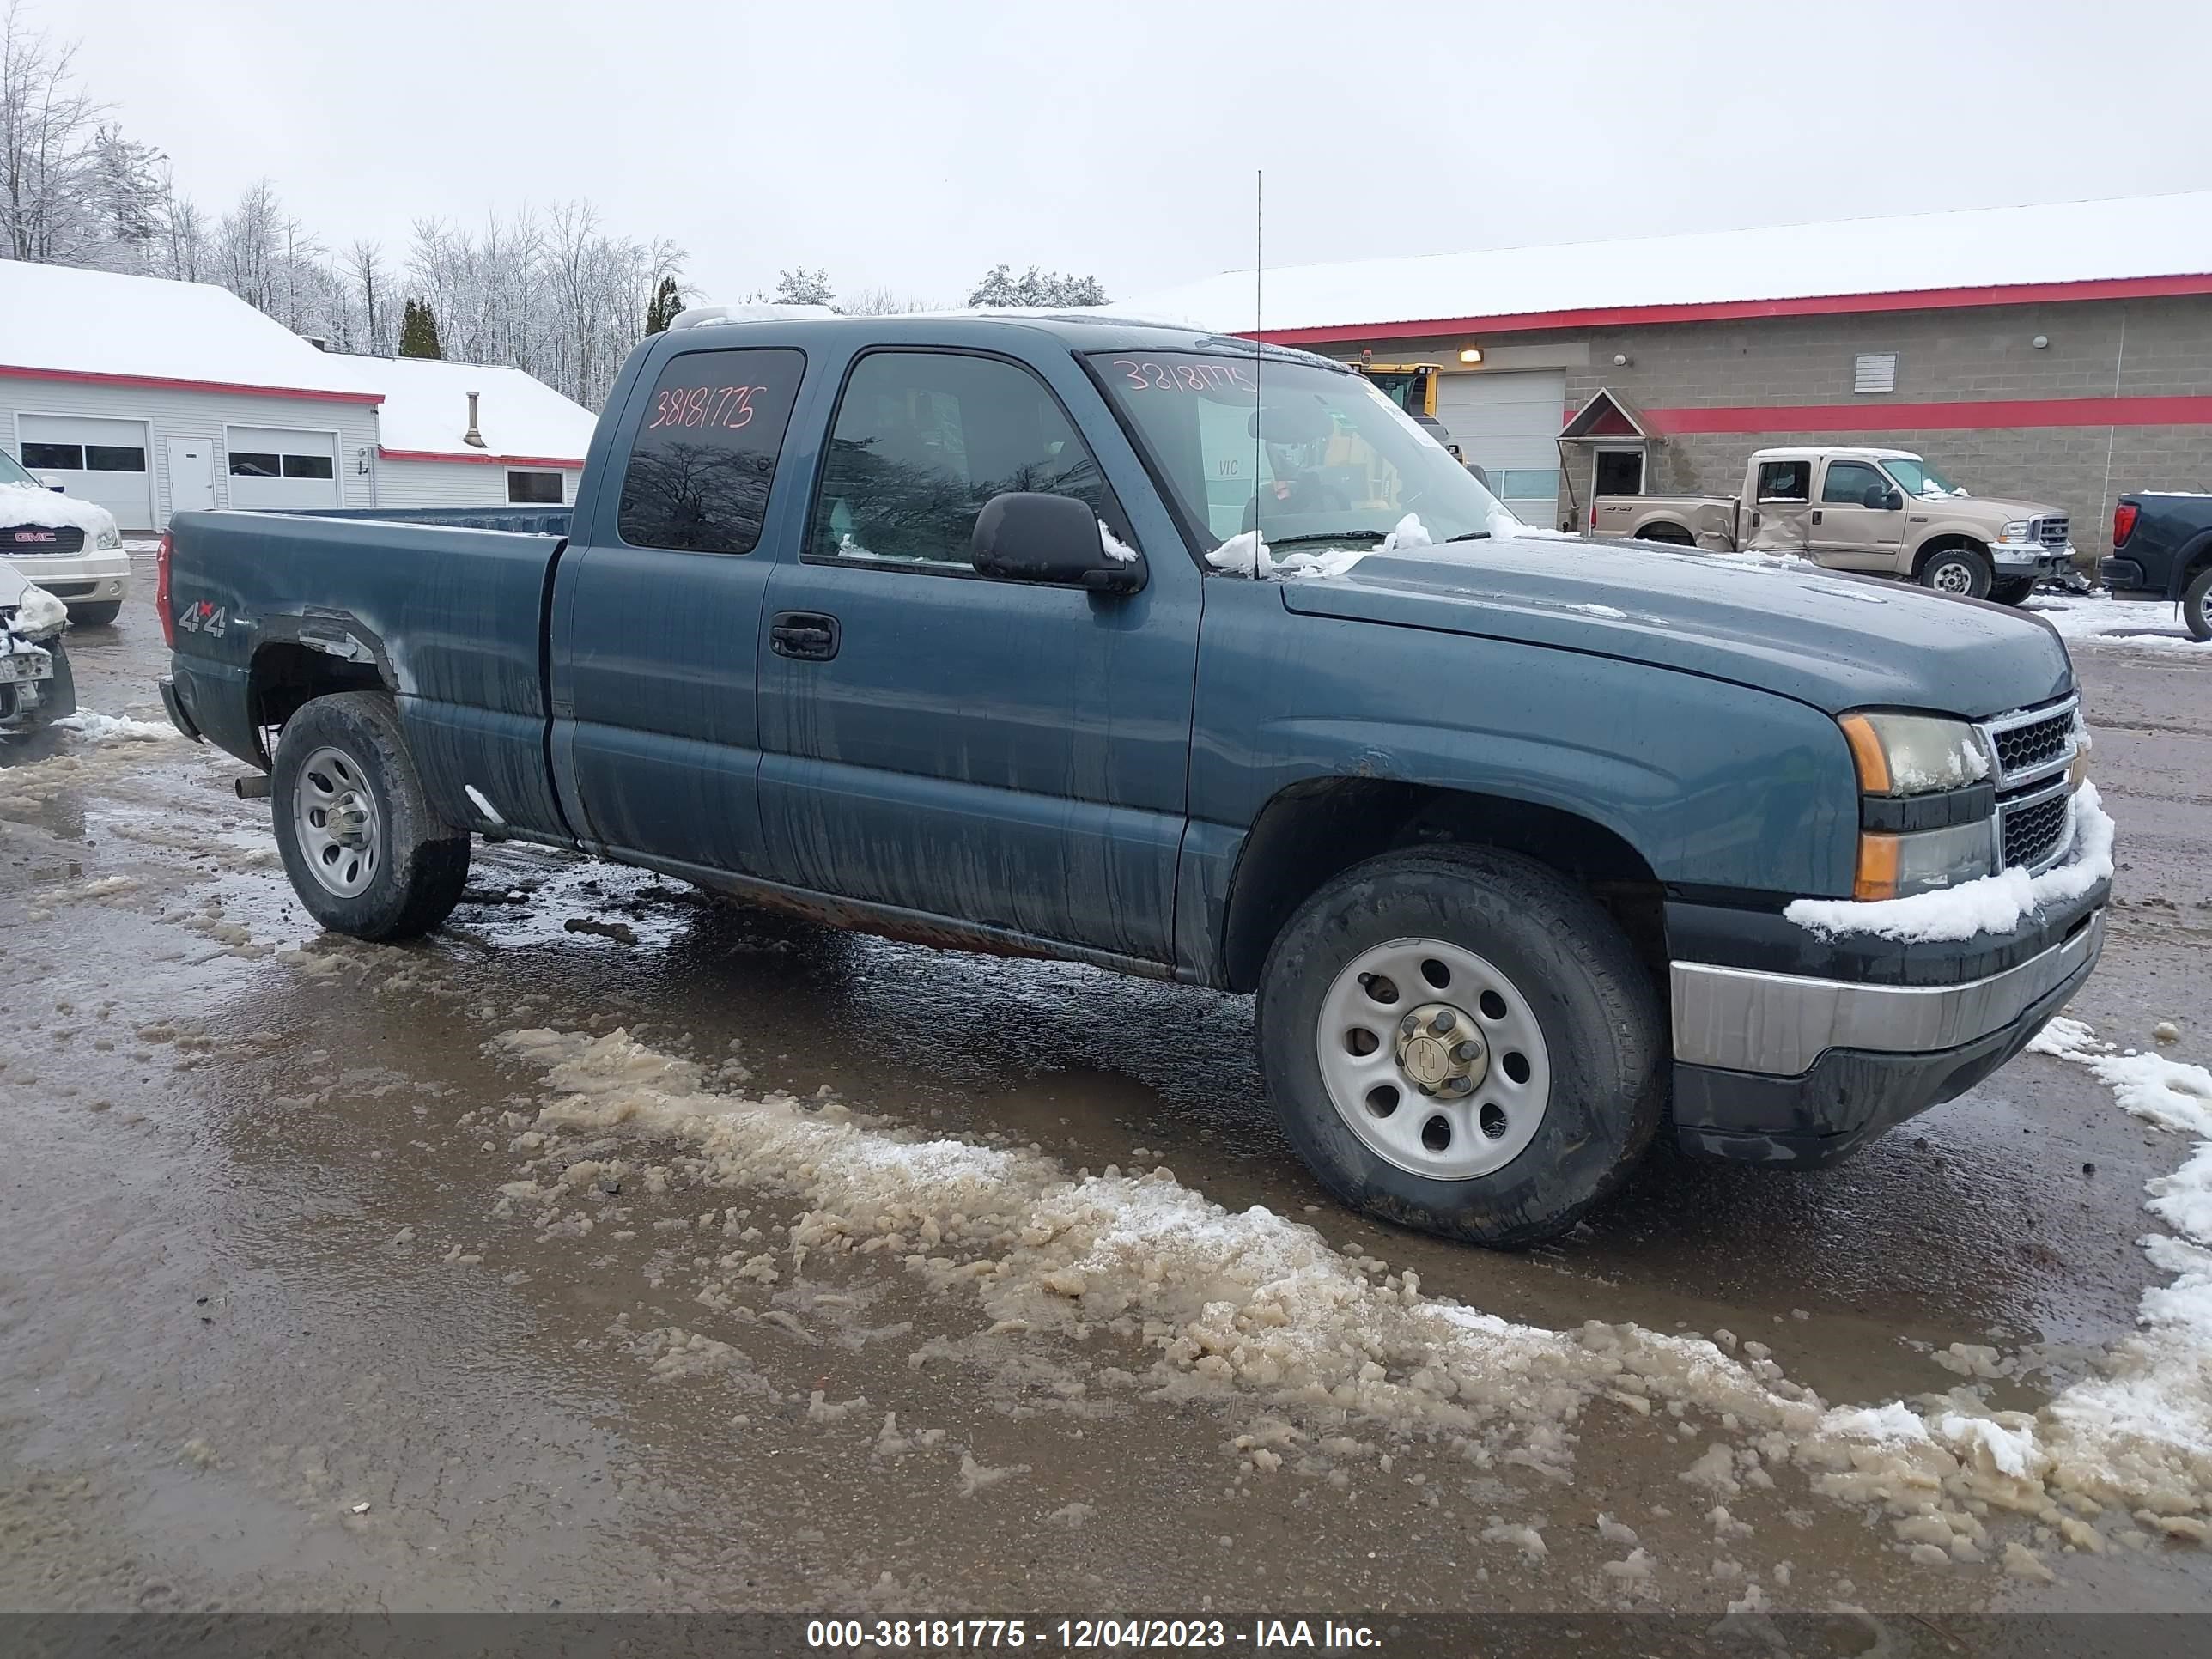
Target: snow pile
x,y
1410,532
2142,1435
22,504
115,728
1250,1306
1612,613
1249,555
1116,549
2144,625
1989,904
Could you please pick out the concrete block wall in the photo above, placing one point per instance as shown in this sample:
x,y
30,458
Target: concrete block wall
x,y
2097,349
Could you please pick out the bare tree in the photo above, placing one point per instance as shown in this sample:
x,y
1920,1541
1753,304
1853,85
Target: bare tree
x,y
48,156
365,273
884,303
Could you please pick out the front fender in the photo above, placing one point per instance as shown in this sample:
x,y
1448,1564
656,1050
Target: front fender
x,y
1717,786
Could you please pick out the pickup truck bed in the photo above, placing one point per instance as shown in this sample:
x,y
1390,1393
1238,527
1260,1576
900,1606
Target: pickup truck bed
x,y
961,630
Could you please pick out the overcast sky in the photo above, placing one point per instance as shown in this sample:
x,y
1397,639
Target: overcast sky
x,y
915,145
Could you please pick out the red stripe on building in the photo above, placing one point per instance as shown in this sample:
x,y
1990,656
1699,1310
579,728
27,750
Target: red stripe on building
x,y
479,460
81,378
1934,417
1926,299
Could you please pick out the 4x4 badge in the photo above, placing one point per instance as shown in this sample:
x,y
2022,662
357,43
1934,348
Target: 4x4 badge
x,y
204,617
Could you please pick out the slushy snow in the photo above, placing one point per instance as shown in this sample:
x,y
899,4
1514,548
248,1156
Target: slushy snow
x,y
115,728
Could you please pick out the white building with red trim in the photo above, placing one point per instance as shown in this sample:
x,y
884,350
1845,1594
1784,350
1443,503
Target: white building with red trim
x,y
2059,352
152,398
468,435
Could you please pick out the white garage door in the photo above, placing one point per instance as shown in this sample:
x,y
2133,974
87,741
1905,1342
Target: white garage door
x,y
1506,425
270,466
101,461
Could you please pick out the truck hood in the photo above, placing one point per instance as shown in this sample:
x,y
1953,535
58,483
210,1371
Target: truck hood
x,y
1992,509
1780,624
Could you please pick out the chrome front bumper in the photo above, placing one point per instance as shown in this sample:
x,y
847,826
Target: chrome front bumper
x,y
1737,1020
2031,558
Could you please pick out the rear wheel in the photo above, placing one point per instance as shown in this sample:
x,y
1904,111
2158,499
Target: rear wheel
x,y
2196,604
1461,1040
365,853
95,616
2012,590
1959,571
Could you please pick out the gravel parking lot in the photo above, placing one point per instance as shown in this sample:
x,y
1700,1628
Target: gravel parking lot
x,y
620,1247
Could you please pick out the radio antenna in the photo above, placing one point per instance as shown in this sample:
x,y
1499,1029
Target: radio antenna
x,y
1258,346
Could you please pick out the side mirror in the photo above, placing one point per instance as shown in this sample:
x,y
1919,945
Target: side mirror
x,y
1881,498
52,483
1025,537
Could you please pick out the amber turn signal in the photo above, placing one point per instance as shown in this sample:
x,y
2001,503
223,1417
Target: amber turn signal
x,y
1878,866
1868,755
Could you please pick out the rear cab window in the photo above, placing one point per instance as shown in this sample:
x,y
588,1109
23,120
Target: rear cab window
x,y
705,450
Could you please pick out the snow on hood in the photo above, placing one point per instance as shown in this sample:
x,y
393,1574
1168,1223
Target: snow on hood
x,y
1837,642
20,504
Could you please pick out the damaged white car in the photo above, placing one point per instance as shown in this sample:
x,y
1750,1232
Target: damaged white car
x,y
36,685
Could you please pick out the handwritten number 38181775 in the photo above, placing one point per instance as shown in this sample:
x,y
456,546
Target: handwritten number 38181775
x,y
729,407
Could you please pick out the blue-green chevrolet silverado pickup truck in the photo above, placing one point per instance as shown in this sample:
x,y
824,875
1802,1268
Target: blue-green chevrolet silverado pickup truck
x,y
1071,637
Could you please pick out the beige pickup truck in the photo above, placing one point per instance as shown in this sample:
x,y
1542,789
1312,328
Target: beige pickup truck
x,y
1884,512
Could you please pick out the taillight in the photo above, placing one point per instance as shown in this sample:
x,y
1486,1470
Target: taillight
x,y
161,591
2124,522
1593,518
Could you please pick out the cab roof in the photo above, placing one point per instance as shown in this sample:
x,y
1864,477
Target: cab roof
x,y
1813,452
1079,330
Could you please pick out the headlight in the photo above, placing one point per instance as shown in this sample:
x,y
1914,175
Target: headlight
x,y
1913,754
109,539
1910,841
2015,531
38,614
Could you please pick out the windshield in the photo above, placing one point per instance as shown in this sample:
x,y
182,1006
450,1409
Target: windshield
x,y
1301,454
1917,477
11,473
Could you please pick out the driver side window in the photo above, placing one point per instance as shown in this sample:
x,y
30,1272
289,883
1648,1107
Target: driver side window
x,y
1848,481
923,439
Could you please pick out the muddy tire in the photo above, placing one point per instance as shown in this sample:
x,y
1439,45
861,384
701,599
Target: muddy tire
x,y
95,616
1461,1040
365,853
1959,571
2196,604
2012,590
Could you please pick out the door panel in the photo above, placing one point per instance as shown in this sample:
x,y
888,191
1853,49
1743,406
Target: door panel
x,y
1782,507
1846,534
657,615
1005,753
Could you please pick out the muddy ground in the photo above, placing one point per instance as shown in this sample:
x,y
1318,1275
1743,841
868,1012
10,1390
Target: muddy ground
x,y
307,1300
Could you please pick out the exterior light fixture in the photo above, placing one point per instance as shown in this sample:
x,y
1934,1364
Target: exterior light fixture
x,y
2041,341
1471,355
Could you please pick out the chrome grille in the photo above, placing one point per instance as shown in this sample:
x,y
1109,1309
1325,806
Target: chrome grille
x,y
2051,532
2035,830
2031,744
21,541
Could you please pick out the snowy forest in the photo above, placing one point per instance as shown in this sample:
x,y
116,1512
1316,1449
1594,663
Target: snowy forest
x,y
554,291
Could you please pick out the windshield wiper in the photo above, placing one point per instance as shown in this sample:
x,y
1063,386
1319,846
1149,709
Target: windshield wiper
x,y
1466,536
1329,536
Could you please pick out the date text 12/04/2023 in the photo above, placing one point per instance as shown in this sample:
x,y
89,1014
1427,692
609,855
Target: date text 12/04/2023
x,y
1079,1635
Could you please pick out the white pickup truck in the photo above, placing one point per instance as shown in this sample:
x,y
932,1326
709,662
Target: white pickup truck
x,y
1884,512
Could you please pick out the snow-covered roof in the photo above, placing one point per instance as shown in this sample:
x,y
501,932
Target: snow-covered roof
x,y
426,411
1963,253
57,320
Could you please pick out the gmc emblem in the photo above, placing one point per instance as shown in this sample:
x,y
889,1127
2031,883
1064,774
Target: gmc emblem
x,y
36,535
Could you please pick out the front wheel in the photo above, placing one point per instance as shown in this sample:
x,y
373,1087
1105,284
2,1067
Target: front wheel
x,y
95,616
365,853
2196,604
2012,590
1461,1040
1959,571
